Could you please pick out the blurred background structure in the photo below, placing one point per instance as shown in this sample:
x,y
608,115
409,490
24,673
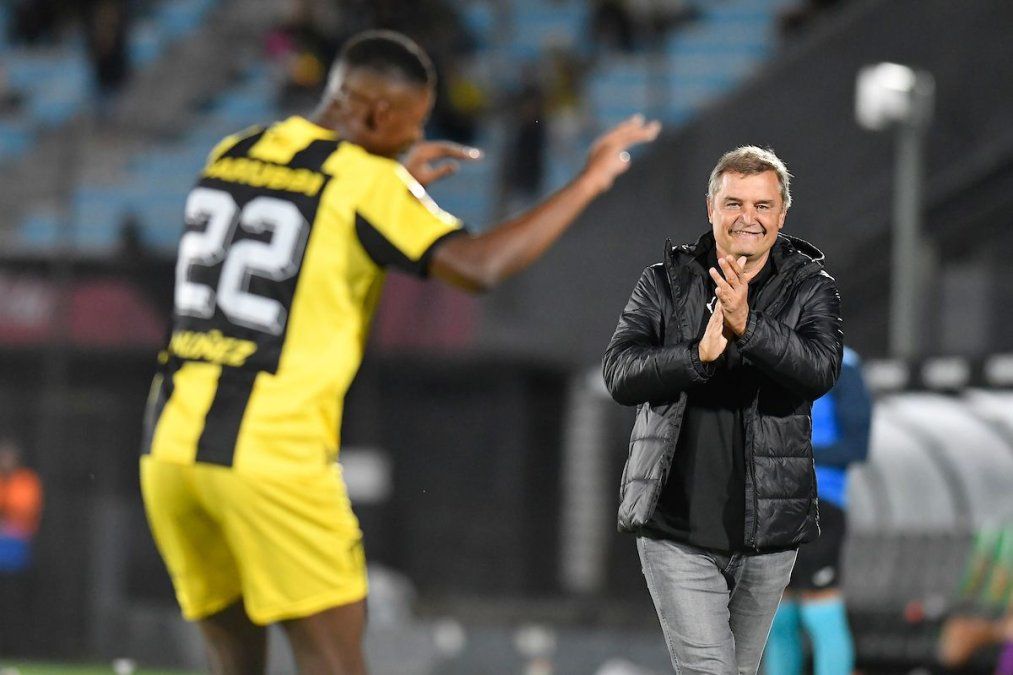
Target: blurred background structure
x,y
482,452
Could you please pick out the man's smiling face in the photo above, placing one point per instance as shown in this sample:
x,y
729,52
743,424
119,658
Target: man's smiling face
x,y
746,213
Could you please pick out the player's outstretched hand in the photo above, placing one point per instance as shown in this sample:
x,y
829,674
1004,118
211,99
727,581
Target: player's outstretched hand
x,y
429,161
608,156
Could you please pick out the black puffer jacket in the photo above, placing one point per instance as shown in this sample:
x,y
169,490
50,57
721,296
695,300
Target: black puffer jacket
x,y
791,353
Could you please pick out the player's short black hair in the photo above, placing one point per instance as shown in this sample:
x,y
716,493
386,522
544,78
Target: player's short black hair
x,y
390,54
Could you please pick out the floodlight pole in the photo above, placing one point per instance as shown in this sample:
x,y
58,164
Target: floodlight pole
x,y
907,278
908,274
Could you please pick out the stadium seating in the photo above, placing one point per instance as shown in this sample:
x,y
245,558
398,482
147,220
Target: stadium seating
x,y
159,179
697,66
722,47
55,80
698,63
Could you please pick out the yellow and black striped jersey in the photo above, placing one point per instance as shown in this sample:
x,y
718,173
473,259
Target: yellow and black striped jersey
x,y
280,265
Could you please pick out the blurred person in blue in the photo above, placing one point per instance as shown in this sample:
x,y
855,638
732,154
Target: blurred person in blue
x,y
723,347
813,603
289,234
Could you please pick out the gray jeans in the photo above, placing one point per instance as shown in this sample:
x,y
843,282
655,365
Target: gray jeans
x,y
715,610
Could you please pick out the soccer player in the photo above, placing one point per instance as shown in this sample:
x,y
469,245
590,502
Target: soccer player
x,y
288,235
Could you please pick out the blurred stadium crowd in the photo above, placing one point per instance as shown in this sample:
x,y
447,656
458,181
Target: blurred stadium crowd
x,y
108,108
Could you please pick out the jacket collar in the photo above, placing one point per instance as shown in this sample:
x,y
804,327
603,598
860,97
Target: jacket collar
x,y
789,254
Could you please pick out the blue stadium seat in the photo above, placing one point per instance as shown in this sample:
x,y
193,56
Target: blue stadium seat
x,y
40,230
720,38
178,17
702,62
146,42
15,138
480,20
538,25
60,96
470,193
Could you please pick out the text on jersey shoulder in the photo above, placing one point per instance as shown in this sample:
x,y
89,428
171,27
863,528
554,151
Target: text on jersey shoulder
x,y
259,174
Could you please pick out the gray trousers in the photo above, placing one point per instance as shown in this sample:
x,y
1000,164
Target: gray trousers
x,y
715,610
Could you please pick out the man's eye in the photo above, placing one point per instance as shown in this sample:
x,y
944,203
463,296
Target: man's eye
x,y
731,206
763,207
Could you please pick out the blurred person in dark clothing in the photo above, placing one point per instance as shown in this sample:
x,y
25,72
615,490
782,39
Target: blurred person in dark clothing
x,y
655,19
524,152
20,513
629,25
107,25
612,25
813,602
11,99
289,235
35,21
723,347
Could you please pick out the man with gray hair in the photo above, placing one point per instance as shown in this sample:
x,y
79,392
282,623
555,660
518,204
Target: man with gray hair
x,y
723,347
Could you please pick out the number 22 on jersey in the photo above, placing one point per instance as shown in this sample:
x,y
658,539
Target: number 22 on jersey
x,y
221,238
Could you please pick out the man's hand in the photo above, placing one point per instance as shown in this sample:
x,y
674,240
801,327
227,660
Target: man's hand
x,y
429,161
713,342
608,156
733,292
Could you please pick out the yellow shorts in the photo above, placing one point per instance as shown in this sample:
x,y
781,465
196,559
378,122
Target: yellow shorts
x,y
288,546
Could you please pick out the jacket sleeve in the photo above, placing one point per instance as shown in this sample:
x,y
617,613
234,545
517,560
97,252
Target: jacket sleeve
x,y
853,411
637,366
806,359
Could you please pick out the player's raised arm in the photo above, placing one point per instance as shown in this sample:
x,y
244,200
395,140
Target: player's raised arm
x,y
480,262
